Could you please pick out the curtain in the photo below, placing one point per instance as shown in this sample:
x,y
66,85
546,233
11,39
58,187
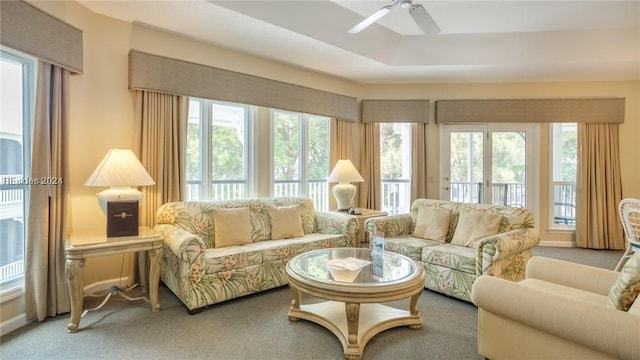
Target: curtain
x,y
46,292
418,161
161,121
370,191
341,147
599,187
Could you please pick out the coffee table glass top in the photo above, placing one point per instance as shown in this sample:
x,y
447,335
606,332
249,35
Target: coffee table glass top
x,y
354,266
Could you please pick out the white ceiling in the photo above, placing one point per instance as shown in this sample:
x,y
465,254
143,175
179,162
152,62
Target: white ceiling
x,y
480,41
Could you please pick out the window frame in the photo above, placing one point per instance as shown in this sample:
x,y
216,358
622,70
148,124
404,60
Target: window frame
x,y
14,286
568,228
407,153
303,161
206,180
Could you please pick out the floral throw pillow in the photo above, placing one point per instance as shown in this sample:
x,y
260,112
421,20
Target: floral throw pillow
x,y
626,289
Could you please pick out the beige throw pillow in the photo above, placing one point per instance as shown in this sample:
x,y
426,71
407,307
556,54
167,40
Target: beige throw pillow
x,y
232,227
286,222
432,223
474,225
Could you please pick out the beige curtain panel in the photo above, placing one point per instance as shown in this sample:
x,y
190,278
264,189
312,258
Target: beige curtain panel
x,y
596,110
162,74
45,283
341,148
599,190
161,122
26,28
370,191
419,161
387,111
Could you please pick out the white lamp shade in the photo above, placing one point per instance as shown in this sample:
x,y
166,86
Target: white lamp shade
x,y
120,168
345,172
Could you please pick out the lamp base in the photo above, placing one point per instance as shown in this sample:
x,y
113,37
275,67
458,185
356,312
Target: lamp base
x,y
344,194
117,194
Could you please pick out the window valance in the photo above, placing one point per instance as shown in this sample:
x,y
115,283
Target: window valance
x,y
410,111
593,110
30,30
162,74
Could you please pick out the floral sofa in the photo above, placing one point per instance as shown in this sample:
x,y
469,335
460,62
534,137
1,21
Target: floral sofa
x,y
452,266
201,269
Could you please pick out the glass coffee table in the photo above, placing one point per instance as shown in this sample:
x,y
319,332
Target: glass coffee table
x,y
355,282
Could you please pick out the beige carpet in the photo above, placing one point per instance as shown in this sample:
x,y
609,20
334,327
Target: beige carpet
x,y
253,327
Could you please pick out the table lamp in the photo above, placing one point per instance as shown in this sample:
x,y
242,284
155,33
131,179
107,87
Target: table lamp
x,y
120,170
344,173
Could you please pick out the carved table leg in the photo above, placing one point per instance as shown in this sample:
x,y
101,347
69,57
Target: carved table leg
x,y
155,260
295,303
413,309
74,272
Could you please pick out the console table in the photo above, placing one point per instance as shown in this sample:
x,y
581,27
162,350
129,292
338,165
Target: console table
x,y
80,246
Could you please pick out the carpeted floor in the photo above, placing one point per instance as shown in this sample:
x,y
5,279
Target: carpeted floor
x,y
253,327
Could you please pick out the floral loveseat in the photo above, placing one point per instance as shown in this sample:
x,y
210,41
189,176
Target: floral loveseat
x,y
452,264
201,269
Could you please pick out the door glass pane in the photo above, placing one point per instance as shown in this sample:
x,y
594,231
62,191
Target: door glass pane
x,y
564,147
466,166
509,164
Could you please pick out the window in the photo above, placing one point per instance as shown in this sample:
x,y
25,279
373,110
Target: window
x,y
300,156
218,148
564,147
395,167
16,101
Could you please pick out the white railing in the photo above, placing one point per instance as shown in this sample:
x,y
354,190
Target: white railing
x,y
564,203
11,270
220,190
396,196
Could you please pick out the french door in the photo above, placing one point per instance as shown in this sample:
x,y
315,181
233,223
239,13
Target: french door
x,y
490,164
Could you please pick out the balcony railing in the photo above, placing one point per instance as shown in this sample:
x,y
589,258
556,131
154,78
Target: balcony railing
x,y
396,196
514,194
11,270
228,190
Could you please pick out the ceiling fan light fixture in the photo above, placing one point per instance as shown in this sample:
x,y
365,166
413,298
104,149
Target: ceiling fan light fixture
x,y
371,19
420,16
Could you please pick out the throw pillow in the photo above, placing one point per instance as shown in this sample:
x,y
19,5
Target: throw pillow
x,y
232,227
473,226
627,287
286,222
432,223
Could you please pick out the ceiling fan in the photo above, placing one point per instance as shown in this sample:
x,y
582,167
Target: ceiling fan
x,y
417,12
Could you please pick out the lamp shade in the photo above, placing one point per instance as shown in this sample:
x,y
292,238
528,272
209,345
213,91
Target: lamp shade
x,y
120,168
345,172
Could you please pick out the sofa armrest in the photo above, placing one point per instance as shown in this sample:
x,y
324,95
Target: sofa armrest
x,y
608,331
334,223
579,276
392,225
504,245
185,246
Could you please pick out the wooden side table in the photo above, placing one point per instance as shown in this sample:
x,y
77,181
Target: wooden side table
x,y
362,235
80,246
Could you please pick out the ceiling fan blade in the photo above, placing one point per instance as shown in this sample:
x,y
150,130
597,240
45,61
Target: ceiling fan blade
x,y
371,19
423,19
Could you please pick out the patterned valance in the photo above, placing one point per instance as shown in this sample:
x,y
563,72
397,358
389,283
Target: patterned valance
x,y
409,111
158,73
594,110
32,31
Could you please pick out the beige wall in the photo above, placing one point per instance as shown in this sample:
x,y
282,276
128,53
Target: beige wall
x,y
102,109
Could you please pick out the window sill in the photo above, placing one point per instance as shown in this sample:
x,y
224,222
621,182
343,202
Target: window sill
x,y
11,291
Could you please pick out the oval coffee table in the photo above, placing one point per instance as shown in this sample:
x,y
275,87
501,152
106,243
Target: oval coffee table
x,y
355,281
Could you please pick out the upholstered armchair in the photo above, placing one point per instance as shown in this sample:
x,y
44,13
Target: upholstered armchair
x,y
561,310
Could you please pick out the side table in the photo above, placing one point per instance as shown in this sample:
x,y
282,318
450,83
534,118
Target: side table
x,y
362,235
80,246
